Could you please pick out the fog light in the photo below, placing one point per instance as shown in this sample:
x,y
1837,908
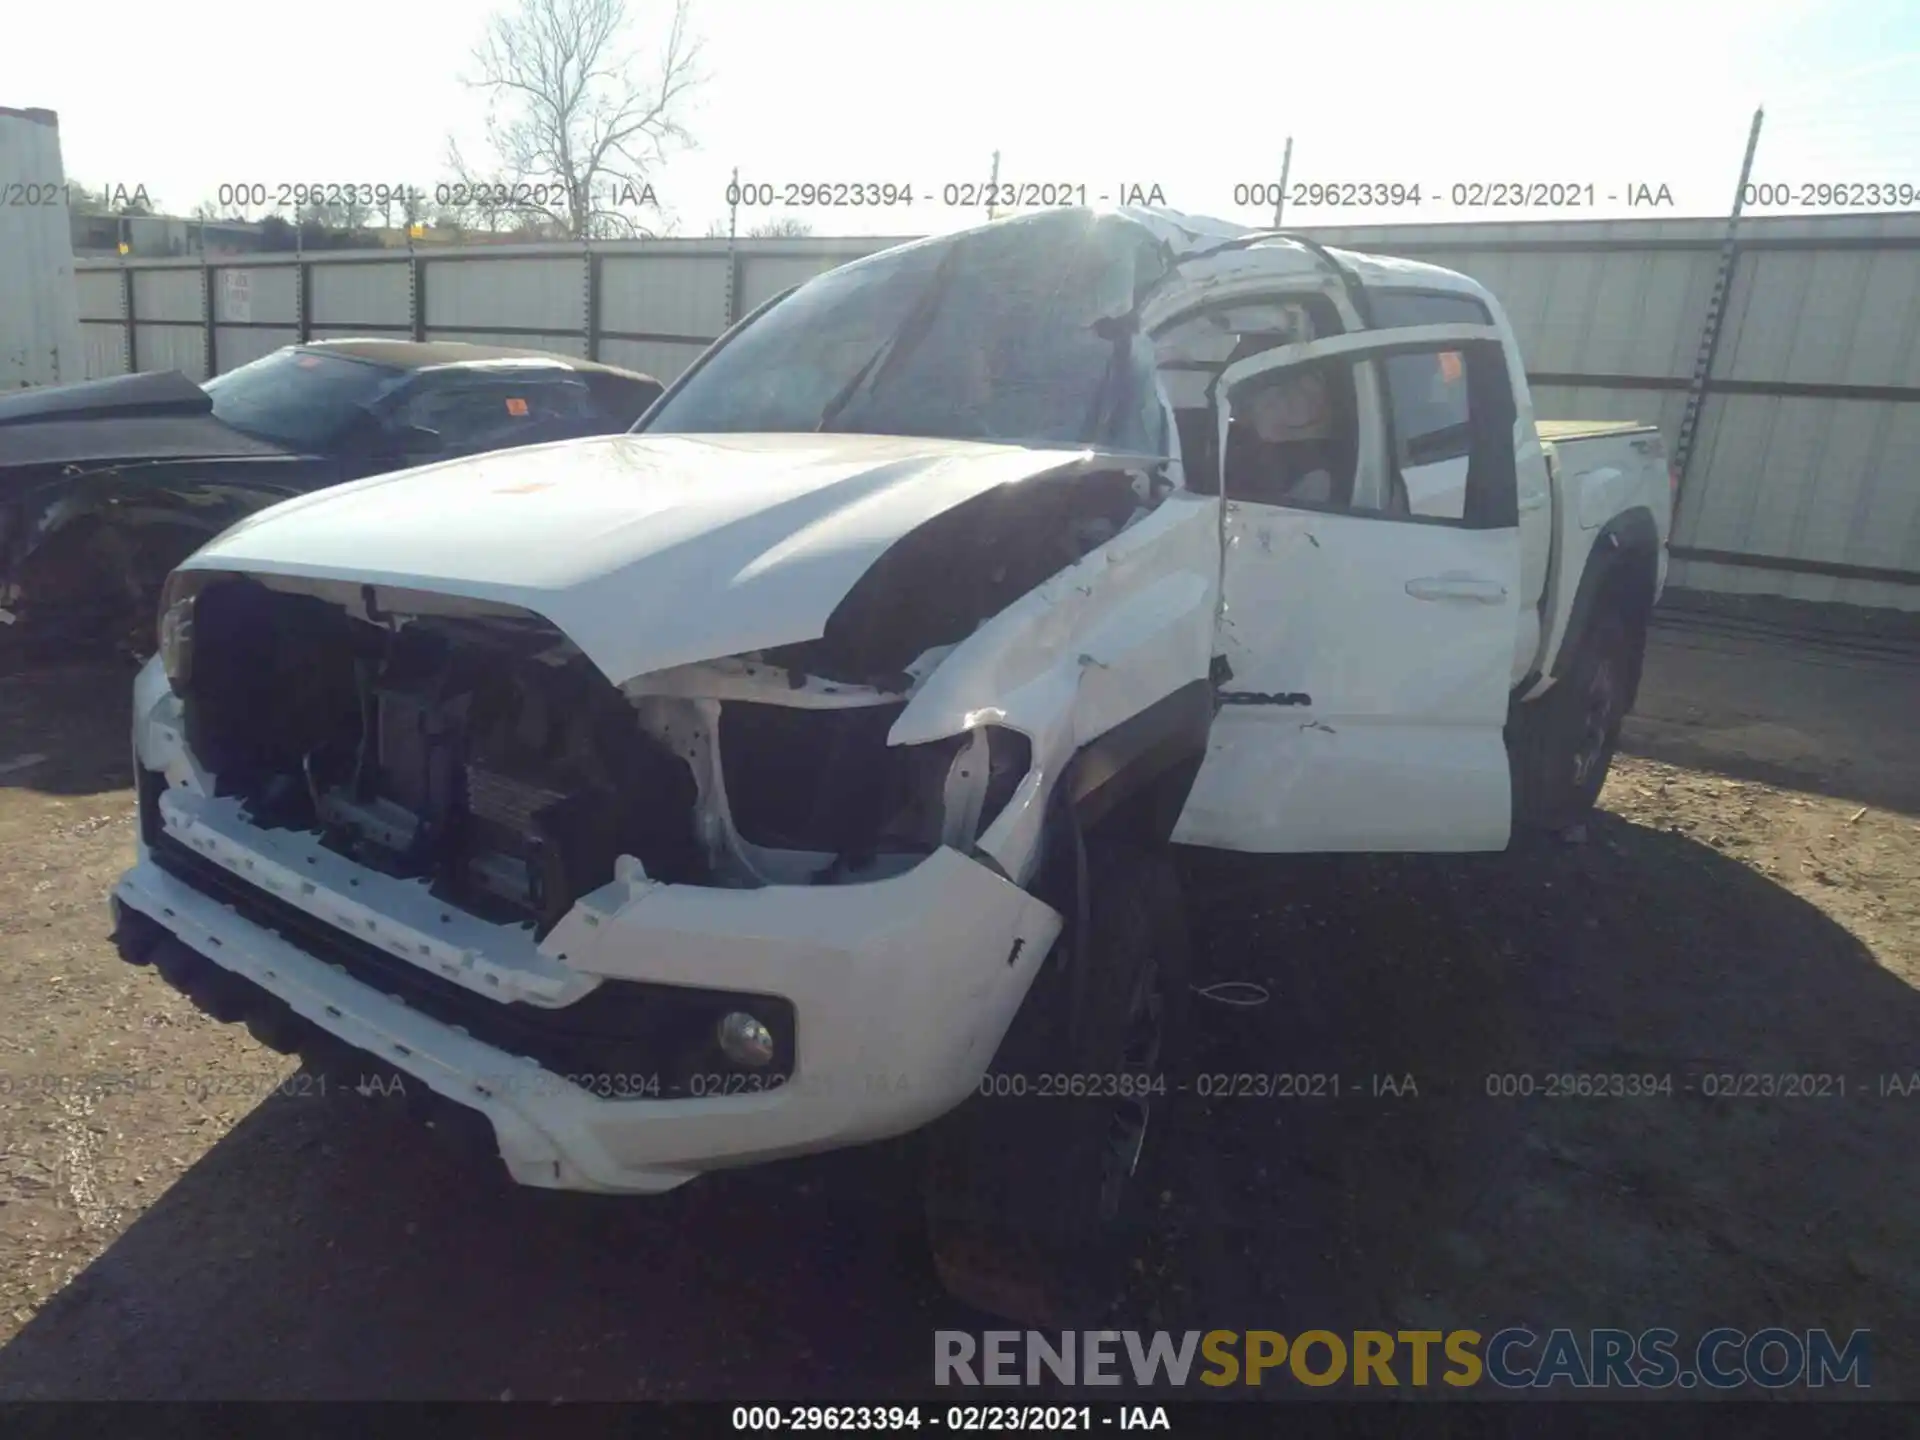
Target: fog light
x,y
744,1040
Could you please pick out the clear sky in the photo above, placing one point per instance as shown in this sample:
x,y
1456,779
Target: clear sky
x,y
1196,97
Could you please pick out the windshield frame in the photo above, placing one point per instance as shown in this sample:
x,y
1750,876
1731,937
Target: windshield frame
x,y
1108,400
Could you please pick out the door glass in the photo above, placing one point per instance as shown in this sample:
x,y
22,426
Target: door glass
x,y
1193,349
1432,430
1294,437
1414,433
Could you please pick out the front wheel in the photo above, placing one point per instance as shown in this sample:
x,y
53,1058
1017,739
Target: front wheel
x,y
1032,1186
1564,742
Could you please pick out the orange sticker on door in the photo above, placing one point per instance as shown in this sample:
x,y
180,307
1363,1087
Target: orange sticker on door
x,y
516,406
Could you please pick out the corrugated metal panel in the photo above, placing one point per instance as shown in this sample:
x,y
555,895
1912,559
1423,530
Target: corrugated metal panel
x,y
100,294
559,344
764,276
1819,589
661,359
272,293
664,295
352,295
1806,479
167,295
1846,317
172,347
538,293
236,346
103,348
39,316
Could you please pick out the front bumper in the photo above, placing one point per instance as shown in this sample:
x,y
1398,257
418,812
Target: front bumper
x,y
901,990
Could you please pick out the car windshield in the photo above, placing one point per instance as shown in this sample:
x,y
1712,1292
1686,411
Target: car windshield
x,y
296,397
1019,331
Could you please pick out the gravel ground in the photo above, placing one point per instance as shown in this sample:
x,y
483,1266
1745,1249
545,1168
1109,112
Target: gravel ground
x,y
183,1214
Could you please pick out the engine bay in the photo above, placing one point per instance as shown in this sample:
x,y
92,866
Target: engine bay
x,y
479,756
486,757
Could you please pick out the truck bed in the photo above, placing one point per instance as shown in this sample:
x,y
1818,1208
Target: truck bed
x,y
1562,430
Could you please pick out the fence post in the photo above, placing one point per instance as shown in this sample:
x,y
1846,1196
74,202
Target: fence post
x,y
417,294
131,339
303,298
210,339
733,254
1286,168
593,303
1710,332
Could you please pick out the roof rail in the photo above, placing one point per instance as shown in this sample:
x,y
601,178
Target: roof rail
x,y
1356,290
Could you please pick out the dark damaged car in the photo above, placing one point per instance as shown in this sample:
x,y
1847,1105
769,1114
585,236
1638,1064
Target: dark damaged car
x,y
105,486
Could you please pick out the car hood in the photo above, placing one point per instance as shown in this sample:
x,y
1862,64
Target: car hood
x,y
153,415
647,551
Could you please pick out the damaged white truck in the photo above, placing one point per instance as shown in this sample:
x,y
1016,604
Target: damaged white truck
x,y
803,767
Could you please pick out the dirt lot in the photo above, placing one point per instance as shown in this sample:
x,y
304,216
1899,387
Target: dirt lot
x,y
176,1220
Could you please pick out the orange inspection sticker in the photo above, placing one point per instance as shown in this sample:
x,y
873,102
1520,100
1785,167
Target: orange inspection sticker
x,y
1450,365
516,406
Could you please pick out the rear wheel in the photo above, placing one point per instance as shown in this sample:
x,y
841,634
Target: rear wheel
x,y
1563,743
1032,1187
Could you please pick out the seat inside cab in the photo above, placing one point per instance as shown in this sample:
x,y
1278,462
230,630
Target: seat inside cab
x,y
1195,348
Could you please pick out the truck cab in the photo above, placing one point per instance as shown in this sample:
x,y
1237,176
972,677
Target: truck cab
x,y
1382,627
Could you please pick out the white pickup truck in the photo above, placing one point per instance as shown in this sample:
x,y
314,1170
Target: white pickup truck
x,y
802,768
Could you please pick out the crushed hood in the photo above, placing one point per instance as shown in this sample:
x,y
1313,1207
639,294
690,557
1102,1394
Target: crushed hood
x,y
647,551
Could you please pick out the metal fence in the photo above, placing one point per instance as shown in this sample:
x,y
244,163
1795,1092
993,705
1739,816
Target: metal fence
x,y
1804,475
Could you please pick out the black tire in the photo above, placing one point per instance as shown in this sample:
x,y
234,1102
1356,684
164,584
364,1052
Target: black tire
x,y
1032,1199
1563,743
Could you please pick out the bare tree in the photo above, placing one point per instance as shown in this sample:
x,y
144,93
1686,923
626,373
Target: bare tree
x,y
578,118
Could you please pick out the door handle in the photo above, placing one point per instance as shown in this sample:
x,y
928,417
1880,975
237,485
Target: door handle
x,y
1457,587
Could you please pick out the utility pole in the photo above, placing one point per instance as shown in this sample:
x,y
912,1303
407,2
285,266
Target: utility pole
x,y
1286,166
993,185
1716,314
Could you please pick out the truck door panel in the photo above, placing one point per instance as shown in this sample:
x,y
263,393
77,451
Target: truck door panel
x,y
1367,639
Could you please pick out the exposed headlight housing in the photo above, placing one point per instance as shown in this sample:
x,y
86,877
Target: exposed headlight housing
x,y
176,640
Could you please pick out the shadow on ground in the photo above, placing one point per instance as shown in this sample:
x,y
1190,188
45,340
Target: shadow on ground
x,y
1716,1199
321,1250
65,730
1824,715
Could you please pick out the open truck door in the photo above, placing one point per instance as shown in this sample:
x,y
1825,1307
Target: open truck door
x,y
1364,654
